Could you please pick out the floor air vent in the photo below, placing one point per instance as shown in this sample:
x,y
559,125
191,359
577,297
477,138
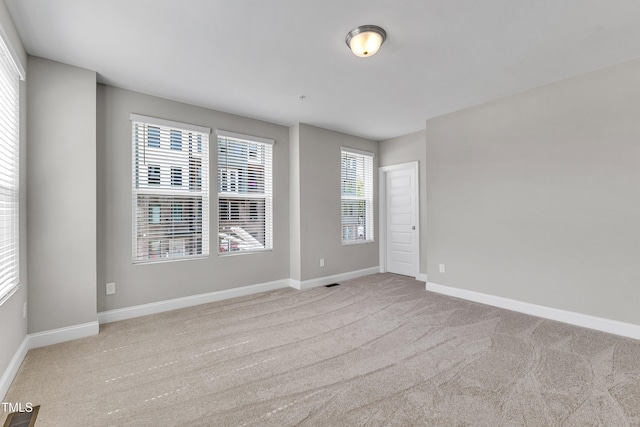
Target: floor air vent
x,y
22,419
332,285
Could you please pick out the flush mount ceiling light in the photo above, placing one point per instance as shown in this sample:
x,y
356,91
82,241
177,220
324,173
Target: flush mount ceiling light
x,y
365,40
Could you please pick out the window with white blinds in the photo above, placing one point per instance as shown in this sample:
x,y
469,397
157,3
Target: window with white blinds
x,y
170,190
9,174
356,187
245,199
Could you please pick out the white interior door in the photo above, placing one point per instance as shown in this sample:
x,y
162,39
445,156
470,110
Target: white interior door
x,y
401,220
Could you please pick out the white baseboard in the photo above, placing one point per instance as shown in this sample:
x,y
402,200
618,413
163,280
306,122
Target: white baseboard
x,y
42,339
56,336
11,371
327,280
629,330
60,335
173,304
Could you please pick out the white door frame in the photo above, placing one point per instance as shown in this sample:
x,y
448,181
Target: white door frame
x,y
382,217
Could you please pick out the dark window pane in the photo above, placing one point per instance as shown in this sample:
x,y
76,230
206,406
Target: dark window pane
x,y
176,176
153,175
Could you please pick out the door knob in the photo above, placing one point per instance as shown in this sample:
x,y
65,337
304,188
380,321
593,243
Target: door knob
x,y
413,227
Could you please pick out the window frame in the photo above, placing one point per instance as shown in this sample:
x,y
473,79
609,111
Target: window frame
x,y
192,232
12,72
354,157
229,178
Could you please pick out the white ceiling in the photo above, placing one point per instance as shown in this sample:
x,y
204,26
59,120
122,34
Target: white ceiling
x,y
256,57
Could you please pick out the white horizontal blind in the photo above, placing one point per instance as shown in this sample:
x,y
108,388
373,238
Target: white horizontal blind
x,y
245,199
9,174
356,185
170,190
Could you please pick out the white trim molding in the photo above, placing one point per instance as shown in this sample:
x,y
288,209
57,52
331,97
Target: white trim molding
x,y
629,330
43,339
69,333
174,304
327,280
56,336
11,371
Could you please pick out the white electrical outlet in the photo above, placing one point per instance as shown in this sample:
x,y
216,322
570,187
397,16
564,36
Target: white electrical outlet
x,y
321,262
441,266
111,288
24,310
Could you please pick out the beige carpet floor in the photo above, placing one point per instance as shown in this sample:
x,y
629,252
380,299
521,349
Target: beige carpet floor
x,y
377,350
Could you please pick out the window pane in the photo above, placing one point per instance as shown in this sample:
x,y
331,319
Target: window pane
x,y
176,140
154,249
356,190
195,174
176,176
242,224
9,174
169,219
153,136
244,195
176,210
170,209
154,213
153,175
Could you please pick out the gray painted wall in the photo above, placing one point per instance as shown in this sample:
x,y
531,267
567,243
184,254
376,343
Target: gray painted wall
x,y
145,283
320,223
13,328
536,197
294,201
409,148
61,182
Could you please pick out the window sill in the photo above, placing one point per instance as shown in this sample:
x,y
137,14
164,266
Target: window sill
x,y
355,242
235,253
163,260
